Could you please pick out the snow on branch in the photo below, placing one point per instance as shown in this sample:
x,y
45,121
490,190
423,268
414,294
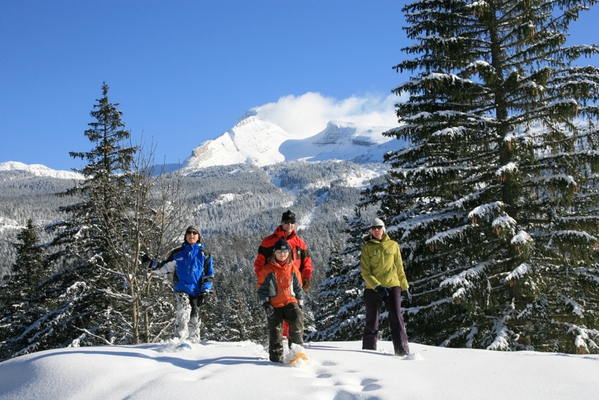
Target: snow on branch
x,y
509,168
577,308
518,273
451,132
485,211
568,180
465,278
504,223
521,238
503,333
573,236
441,237
583,340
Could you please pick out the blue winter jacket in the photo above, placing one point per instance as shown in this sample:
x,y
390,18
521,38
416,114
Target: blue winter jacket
x,y
192,267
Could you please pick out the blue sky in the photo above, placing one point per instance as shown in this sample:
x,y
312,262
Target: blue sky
x,y
185,71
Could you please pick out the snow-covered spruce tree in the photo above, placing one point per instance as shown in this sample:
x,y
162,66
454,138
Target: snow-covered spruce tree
x,y
100,283
21,301
494,203
331,291
340,310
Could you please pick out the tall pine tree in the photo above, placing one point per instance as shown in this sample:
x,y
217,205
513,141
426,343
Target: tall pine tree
x,y
101,288
494,202
21,300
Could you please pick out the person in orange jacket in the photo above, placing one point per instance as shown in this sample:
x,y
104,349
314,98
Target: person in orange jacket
x,y
300,253
281,294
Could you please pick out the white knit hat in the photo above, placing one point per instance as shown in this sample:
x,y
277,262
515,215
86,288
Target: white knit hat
x,y
377,222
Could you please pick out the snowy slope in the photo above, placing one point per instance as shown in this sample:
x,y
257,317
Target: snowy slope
x,y
259,142
337,370
38,170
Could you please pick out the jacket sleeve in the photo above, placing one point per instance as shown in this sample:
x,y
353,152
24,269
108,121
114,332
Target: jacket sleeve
x,y
166,267
169,264
267,286
298,292
264,253
306,261
259,262
401,274
207,275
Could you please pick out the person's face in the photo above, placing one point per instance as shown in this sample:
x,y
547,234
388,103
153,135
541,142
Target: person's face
x,y
288,226
377,232
281,255
192,236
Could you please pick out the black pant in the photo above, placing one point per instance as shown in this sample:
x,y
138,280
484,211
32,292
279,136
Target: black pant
x,y
373,302
295,318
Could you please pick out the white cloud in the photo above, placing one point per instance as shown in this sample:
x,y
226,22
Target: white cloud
x,y
308,114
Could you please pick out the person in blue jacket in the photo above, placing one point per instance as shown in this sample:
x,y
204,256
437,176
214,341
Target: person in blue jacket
x,y
193,276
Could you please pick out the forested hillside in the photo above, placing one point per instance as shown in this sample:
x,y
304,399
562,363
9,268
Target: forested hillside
x,y
24,196
234,207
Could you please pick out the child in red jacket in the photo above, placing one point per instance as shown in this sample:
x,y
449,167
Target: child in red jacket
x,y
281,294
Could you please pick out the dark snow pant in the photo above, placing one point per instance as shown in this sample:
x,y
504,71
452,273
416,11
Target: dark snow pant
x,y
187,321
295,318
373,302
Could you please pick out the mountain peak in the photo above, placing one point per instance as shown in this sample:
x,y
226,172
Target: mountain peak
x,y
38,170
259,142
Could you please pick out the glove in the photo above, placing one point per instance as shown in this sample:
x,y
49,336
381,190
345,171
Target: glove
x,y
382,291
270,312
201,298
144,258
306,284
151,263
408,295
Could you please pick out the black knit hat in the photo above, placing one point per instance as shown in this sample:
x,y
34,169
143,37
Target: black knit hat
x,y
282,245
288,216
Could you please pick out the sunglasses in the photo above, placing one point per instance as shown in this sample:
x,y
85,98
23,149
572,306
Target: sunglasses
x,y
376,228
191,233
288,222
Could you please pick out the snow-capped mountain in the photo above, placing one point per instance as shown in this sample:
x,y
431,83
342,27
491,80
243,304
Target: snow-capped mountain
x,y
38,170
342,141
250,141
259,142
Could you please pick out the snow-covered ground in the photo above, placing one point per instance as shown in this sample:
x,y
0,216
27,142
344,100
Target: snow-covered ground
x,y
337,370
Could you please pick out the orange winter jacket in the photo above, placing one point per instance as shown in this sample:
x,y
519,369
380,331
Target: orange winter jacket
x,y
299,252
280,285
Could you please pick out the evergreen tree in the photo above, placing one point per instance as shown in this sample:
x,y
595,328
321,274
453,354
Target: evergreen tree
x,y
101,290
20,300
494,201
340,314
330,292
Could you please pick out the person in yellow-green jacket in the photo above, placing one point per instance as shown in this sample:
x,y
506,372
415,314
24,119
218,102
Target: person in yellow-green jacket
x,y
382,269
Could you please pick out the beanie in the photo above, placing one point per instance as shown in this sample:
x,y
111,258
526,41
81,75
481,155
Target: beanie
x,y
282,245
193,228
377,222
288,216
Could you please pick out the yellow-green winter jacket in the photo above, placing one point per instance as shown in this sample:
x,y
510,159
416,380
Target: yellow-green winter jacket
x,y
381,264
